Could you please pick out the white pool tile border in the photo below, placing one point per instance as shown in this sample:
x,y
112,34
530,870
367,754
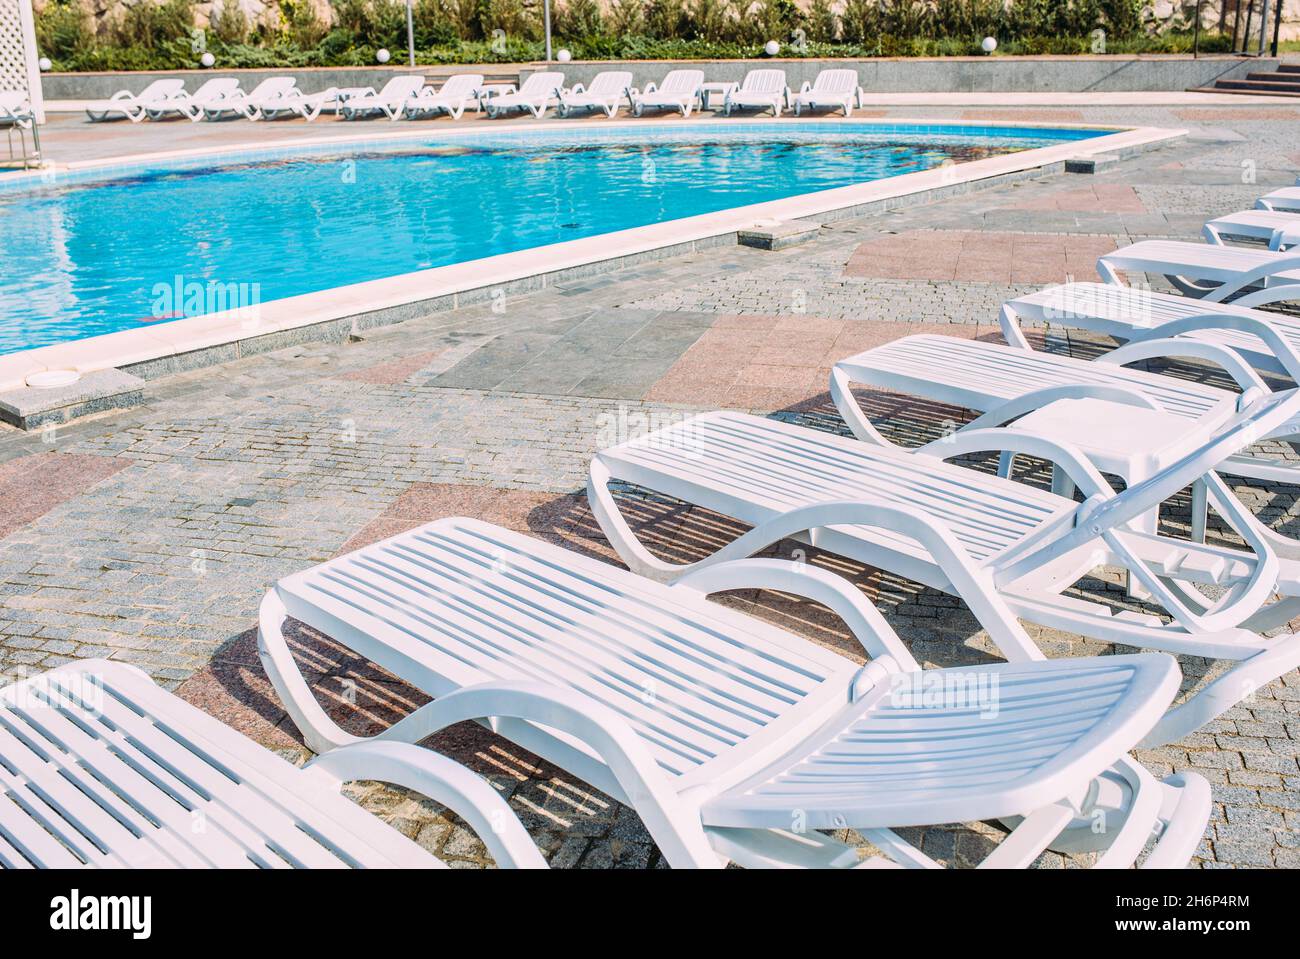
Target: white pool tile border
x,y
175,338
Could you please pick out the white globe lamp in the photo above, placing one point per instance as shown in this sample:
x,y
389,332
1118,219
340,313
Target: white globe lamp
x,y
382,55
563,56
771,48
989,44
207,59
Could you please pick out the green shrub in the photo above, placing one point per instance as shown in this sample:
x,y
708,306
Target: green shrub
x,y
228,23
160,34
63,31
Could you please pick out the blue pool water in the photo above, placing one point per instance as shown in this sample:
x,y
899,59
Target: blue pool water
x,y
100,255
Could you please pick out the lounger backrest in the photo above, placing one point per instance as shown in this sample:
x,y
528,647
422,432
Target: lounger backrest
x,y
764,81
462,85
161,90
273,87
1102,519
540,83
682,81
1243,429
399,88
610,81
836,81
216,87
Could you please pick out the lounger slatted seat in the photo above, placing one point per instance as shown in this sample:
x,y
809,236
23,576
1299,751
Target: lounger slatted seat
x,y
755,469
699,717
1272,226
536,93
680,90
1287,198
267,95
100,767
1013,549
606,90
831,89
1134,315
135,106
1217,274
191,105
760,90
456,93
391,101
1004,382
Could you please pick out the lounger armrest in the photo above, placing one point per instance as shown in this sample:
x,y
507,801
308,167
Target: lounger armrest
x,y
1018,406
444,781
811,582
806,88
575,89
650,87
1174,346
1076,465
1261,329
644,784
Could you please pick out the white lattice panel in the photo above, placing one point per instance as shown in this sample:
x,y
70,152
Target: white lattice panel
x,y
18,70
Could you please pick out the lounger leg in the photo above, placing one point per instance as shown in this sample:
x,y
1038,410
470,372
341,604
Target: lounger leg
x,y
1062,485
854,418
671,819
1011,331
1237,684
1200,510
319,731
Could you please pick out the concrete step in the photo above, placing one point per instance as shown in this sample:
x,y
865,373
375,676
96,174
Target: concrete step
x,y
1291,79
1247,92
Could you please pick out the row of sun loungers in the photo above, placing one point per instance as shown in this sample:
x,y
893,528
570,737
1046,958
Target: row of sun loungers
x,y
409,97
731,738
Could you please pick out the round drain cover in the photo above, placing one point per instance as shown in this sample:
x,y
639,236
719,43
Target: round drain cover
x,y
51,378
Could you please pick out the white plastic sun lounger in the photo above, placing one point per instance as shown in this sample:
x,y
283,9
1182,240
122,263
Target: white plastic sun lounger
x,y
296,103
1132,315
730,738
265,96
102,768
1009,383
134,106
1273,226
535,95
191,105
1216,274
605,91
1287,198
1009,543
457,93
390,101
832,89
760,90
680,90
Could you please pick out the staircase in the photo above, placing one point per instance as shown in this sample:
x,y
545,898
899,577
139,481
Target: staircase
x,y
1285,82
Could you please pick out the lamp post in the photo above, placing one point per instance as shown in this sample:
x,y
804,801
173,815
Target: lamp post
x,y
546,19
410,31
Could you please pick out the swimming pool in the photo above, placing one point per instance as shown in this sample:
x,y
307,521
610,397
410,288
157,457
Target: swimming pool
x,y
96,254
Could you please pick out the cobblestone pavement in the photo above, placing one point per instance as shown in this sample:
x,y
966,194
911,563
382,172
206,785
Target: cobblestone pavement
x,y
150,535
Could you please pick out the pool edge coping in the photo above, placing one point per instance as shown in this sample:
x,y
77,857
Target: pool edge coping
x,y
334,314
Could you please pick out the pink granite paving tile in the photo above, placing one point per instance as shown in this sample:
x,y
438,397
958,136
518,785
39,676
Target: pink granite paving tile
x,y
31,486
1027,116
394,371
971,256
1096,198
789,369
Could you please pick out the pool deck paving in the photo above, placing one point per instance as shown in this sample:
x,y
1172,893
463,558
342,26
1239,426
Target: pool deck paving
x,y
150,535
